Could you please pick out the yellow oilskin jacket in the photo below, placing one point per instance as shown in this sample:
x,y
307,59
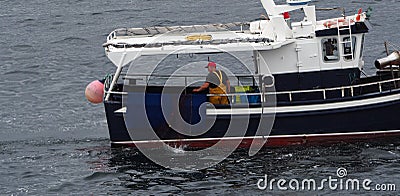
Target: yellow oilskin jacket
x,y
219,90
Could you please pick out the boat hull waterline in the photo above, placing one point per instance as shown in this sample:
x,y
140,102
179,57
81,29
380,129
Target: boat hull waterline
x,y
268,141
354,120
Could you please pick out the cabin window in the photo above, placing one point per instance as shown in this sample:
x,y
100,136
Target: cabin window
x,y
347,45
330,49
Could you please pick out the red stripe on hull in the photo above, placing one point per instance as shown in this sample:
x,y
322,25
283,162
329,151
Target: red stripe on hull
x,y
274,141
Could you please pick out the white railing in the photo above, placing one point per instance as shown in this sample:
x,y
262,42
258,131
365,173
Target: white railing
x,y
342,89
151,31
112,35
147,78
322,91
291,94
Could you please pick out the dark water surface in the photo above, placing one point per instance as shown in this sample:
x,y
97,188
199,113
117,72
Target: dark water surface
x,y
54,142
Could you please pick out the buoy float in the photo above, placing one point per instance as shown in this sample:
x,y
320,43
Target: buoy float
x,y
95,92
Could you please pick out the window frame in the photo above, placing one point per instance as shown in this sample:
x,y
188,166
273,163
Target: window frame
x,y
354,43
335,50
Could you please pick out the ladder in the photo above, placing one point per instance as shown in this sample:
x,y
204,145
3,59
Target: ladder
x,y
350,41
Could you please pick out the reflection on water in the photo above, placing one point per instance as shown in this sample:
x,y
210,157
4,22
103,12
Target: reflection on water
x,y
239,173
93,167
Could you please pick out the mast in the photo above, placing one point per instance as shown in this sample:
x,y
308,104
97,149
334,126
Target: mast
x,y
269,6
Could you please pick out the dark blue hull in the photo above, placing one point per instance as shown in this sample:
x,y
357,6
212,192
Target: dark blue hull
x,y
363,111
368,118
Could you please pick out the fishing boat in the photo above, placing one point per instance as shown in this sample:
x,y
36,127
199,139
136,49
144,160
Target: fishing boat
x,y
306,84
298,2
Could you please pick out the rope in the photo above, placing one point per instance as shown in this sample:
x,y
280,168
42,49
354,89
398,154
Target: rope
x,y
199,37
107,81
353,78
394,46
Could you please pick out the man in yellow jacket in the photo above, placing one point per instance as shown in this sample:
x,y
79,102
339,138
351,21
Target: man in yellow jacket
x,y
218,83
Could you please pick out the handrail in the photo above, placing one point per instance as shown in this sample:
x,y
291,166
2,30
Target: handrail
x,y
291,93
147,76
155,30
182,75
116,93
112,35
343,88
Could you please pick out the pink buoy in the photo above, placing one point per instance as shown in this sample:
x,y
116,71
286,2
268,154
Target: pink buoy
x,y
95,92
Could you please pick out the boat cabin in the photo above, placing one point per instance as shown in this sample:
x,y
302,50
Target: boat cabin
x,y
292,56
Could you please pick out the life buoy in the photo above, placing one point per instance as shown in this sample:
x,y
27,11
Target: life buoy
x,y
333,23
328,24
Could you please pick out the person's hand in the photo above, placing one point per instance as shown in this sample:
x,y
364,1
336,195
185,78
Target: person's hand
x,y
196,90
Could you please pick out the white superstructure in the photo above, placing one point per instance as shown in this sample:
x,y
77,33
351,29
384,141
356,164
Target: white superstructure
x,y
280,47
